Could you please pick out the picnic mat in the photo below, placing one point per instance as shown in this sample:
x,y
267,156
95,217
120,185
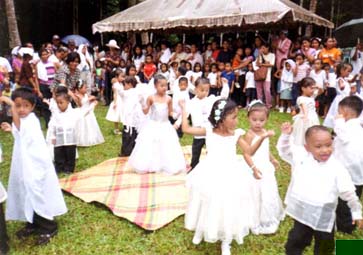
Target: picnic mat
x,y
149,200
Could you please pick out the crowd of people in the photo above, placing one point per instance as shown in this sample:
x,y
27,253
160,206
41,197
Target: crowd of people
x,y
155,92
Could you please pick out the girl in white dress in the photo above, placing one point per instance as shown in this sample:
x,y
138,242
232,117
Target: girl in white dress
x,y
268,201
89,132
114,112
221,192
307,116
157,146
343,90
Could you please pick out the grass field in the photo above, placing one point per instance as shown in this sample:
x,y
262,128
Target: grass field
x,y
93,229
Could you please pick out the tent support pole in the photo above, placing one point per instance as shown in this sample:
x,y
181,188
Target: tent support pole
x,y
221,40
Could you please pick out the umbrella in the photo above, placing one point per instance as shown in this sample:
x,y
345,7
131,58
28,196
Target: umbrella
x,y
77,38
348,33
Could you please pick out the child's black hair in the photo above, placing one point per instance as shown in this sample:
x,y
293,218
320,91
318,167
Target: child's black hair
x,y
61,89
25,94
325,65
182,70
158,77
221,108
213,65
80,83
314,129
353,103
128,68
131,80
185,79
342,66
201,81
197,64
304,83
117,72
164,64
63,94
73,56
258,107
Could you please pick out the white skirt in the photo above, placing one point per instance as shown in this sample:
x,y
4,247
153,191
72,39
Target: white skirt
x,y
89,132
157,149
221,201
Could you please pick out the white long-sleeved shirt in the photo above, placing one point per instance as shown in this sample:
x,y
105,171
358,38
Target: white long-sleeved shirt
x,y
347,147
199,109
312,196
64,125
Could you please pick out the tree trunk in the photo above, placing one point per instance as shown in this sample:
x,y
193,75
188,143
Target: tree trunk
x,y
312,8
14,38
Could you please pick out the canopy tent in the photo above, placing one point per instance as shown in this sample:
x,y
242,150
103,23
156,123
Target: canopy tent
x,y
152,15
350,33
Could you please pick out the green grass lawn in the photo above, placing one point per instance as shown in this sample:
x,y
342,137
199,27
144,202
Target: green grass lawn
x,y
93,229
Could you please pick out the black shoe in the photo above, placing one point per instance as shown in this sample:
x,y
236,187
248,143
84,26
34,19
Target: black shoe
x,y
45,238
25,232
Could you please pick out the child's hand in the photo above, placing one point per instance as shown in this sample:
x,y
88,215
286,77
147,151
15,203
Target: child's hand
x,y
175,126
257,174
286,128
6,127
269,133
339,116
358,223
114,106
53,141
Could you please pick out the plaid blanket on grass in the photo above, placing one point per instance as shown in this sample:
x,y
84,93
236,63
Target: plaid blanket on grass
x,y
149,200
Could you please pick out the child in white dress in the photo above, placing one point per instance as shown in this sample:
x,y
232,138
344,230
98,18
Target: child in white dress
x,y
157,146
269,204
317,180
342,90
34,194
221,205
307,116
115,108
89,132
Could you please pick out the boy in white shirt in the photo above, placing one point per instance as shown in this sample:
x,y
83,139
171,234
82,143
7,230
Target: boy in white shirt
x,y
34,194
199,109
317,180
181,94
347,149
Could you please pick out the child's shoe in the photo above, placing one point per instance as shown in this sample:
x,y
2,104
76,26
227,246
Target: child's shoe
x,y
45,238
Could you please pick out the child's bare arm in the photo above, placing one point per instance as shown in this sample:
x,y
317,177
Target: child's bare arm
x,y
246,148
186,128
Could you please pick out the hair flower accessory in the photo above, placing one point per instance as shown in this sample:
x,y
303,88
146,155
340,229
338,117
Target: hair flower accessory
x,y
218,112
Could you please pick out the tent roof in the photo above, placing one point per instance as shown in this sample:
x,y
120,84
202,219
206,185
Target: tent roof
x,y
184,14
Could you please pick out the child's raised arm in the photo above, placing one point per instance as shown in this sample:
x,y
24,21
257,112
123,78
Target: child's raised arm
x,y
186,128
283,144
16,118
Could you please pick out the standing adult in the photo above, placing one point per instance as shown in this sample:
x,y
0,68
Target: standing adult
x,y
112,60
257,46
86,66
265,59
225,55
194,56
315,43
45,73
308,52
179,54
56,43
330,54
165,53
357,62
215,52
27,77
68,75
283,47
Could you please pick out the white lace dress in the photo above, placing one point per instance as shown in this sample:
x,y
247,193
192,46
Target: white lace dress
x,y
157,146
89,133
300,125
221,191
268,201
